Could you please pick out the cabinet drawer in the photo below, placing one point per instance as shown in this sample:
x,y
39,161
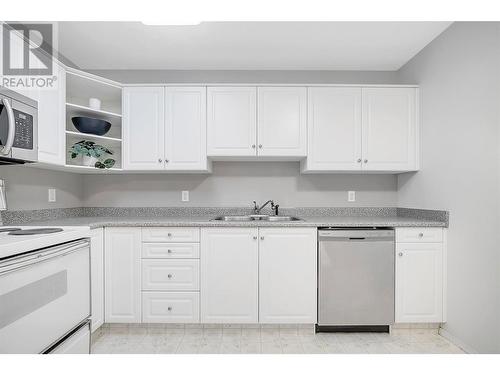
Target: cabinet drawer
x,y
419,235
170,307
170,274
171,234
170,250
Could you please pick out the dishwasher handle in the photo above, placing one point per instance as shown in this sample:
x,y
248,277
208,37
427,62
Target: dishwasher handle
x,y
356,235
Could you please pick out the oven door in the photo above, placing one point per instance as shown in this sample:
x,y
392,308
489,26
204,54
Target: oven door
x,y
43,296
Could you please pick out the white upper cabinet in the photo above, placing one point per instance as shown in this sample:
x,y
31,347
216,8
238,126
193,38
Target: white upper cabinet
x,y
390,131
287,275
232,121
281,121
334,129
143,128
229,275
185,128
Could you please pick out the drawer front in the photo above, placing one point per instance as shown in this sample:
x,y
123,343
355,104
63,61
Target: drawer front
x,y
171,234
170,250
170,307
170,274
419,235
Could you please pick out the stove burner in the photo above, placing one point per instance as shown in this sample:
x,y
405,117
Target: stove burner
x,y
8,229
27,232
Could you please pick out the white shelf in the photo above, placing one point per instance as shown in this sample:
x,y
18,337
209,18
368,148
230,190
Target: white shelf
x,y
86,169
73,134
81,110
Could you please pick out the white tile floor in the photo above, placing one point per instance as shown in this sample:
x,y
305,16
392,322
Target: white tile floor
x,y
139,339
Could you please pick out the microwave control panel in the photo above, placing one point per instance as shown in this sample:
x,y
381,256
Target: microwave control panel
x,y
24,130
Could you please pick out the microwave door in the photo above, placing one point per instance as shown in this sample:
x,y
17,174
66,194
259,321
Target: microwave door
x,y
7,127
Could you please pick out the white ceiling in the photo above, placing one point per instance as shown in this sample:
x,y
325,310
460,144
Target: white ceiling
x,y
246,45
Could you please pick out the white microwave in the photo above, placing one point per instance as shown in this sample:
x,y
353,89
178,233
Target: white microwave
x,y
18,128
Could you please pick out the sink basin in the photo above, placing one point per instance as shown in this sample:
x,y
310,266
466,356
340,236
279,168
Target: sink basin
x,y
234,218
256,218
282,218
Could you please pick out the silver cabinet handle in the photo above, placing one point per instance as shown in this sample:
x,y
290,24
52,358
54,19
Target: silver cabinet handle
x,y
169,276
169,251
5,150
400,254
420,235
169,308
169,234
260,146
254,237
160,160
262,238
359,160
166,160
253,146
366,160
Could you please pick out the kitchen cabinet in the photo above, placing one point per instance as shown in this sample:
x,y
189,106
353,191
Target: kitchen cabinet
x,y
282,121
389,129
362,129
97,277
229,275
143,128
171,307
334,129
232,121
122,262
185,128
420,281
287,275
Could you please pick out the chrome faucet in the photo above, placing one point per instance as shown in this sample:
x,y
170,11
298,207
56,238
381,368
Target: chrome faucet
x,y
257,209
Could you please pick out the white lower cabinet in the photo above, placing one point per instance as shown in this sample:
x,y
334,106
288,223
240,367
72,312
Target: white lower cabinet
x,y
97,277
229,275
122,275
420,280
170,307
287,275
170,274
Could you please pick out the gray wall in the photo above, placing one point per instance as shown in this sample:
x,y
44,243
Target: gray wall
x,y
27,188
237,184
459,78
247,76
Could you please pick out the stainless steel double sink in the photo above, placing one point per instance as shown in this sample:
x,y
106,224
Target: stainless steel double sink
x,y
256,218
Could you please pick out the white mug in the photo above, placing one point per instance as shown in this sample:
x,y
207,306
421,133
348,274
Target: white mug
x,y
94,103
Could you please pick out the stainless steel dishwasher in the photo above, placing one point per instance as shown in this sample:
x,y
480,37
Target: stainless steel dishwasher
x,y
356,279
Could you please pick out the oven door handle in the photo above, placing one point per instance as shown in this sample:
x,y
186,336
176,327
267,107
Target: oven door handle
x,y
5,150
42,256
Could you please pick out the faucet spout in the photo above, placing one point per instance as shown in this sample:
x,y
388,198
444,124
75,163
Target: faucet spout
x,y
257,209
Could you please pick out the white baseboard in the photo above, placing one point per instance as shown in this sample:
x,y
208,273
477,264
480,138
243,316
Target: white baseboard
x,y
448,336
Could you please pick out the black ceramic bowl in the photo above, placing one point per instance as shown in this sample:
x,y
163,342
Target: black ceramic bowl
x,y
91,125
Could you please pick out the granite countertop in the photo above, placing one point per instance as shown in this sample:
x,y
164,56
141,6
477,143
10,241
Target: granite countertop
x,y
205,221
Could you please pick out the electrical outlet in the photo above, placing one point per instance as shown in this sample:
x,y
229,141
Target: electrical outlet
x,y
185,196
52,195
351,196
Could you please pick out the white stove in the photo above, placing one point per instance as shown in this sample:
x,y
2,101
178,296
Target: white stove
x,y
16,244
44,289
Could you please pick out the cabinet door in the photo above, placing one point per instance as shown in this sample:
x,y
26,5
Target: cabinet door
x,y
419,282
143,128
97,277
287,275
281,123
229,275
389,120
185,128
334,129
122,272
231,121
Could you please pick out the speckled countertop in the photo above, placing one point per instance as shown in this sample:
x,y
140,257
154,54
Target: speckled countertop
x,y
200,221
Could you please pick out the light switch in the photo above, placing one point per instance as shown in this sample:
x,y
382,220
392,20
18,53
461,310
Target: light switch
x,y
351,196
185,196
52,195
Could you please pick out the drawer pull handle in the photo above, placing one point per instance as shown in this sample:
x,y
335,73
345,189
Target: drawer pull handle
x,y
169,234
169,251
420,235
169,308
169,276
262,238
400,254
254,237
